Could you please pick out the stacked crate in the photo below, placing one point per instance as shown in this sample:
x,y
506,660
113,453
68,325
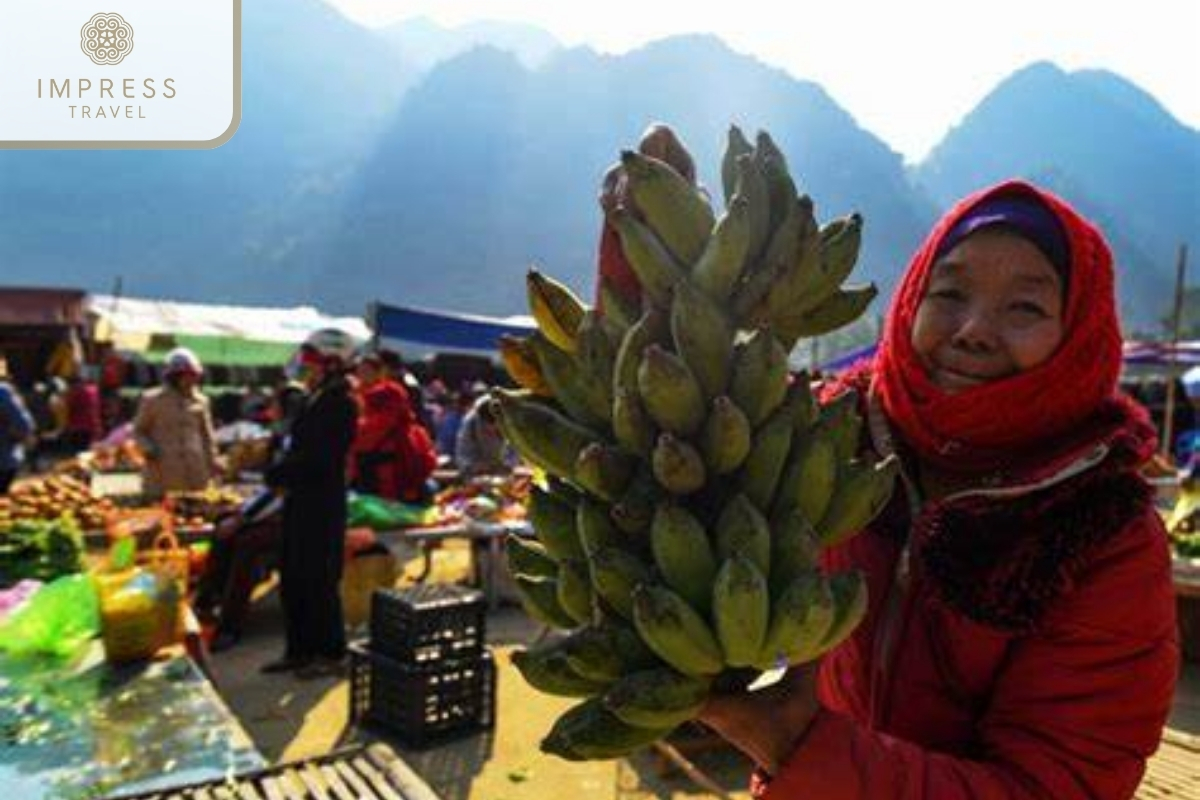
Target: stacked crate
x,y
425,674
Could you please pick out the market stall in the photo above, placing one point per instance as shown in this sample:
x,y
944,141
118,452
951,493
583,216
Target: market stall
x,y
41,332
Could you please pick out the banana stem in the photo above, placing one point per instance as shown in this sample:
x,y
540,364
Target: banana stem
x,y
694,774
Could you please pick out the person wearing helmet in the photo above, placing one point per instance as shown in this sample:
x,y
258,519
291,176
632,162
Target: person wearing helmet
x,y
311,476
173,426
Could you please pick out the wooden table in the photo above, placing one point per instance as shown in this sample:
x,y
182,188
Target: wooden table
x,y
494,533
90,729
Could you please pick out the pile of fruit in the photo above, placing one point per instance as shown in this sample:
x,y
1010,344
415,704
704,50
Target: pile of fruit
x,y
39,549
202,508
693,482
49,498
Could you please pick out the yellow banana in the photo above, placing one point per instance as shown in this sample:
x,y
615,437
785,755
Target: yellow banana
x,y
676,633
521,363
672,207
740,610
742,529
726,437
703,338
556,309
863,489
683,554
677,465
657,698
670,392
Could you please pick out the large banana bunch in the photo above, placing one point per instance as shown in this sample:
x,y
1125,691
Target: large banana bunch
x,y
692,481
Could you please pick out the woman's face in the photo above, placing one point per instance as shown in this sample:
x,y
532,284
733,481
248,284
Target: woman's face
x,y
993,308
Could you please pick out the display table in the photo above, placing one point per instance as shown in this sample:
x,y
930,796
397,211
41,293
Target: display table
x,y
92,730
493,533
1186,575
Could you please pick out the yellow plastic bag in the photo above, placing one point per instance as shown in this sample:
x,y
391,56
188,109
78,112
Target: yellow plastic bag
x,y
141,606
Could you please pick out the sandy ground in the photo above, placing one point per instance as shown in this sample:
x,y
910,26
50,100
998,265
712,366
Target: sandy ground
x,y
289,718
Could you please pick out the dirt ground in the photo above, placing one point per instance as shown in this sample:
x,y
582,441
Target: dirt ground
x,y
289,718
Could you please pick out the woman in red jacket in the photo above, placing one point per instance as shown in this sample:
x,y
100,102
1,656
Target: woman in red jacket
x,y
1020,640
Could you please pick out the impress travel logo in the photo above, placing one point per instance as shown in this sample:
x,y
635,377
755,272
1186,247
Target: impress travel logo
x,y
71,76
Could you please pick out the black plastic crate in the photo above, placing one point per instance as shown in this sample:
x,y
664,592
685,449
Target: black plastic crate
x,y
428,623
422,704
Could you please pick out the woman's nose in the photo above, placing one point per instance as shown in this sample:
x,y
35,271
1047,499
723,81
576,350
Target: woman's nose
x,y
976,332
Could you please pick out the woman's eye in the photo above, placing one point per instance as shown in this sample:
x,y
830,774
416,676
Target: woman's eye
x,y
1028,309
947,294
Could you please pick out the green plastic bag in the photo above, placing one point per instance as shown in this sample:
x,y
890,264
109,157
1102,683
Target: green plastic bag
x,y
369,511
56,621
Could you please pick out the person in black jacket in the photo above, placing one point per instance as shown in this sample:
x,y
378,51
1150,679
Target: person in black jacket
x,y
311,475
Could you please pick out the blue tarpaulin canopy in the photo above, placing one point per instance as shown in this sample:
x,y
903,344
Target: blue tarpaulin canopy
x,y
445,330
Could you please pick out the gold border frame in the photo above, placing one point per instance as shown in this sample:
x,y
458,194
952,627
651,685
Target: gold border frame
x,y
161,144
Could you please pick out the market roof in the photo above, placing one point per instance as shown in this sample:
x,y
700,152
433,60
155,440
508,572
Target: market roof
x,y
38,307
444,329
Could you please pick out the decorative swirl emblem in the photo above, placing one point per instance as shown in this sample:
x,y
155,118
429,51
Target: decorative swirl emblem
x,y
106,39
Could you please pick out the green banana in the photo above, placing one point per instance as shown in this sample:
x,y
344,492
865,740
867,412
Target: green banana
x,y
801,616
676,633
635,511
653,327
670,392
809,480
841,419
762,469
752,186
672,207
596,354
553,519
591,652
863,489
703,338
521,363
838,310
616,574
575,590
590,732
802,402
737,145
849,590
585,398
530,558
661,142
632,426
595,526
556,309
683,554
800,270
839,243
742,529
678,467
604,471
545,668
724,257
622,311
795,549
657,270
725,440
541,434
783,249
759,381
539,597
741,607
657,698
780,187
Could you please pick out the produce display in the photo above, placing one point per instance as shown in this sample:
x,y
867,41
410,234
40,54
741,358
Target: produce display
x,y
39,549
692,483
51,497
492,499
202,508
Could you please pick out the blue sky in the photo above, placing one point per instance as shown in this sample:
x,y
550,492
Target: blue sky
x,y
907,69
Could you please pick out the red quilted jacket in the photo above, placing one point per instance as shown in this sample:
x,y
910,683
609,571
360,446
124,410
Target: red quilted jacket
x,y
1020,640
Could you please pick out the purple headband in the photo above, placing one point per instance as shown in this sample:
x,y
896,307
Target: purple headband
x,y
1025,216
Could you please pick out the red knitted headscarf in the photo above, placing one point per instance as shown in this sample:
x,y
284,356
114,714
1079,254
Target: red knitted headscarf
x,y
998,424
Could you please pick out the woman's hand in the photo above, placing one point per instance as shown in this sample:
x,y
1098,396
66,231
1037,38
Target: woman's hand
x,y
767,724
